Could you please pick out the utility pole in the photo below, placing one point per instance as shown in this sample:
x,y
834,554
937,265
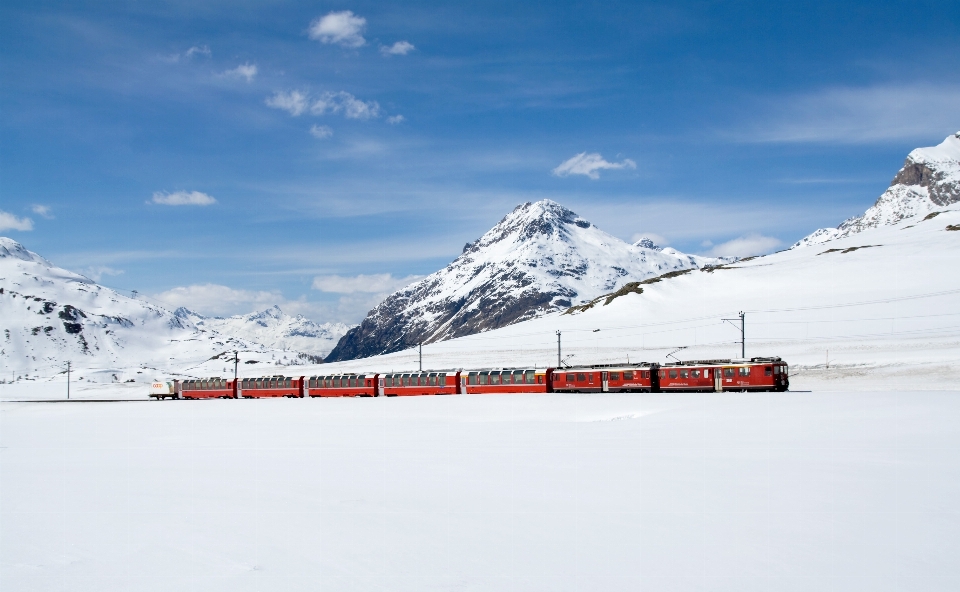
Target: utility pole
x,y
68,380
236,360
421,356
559,363
742,327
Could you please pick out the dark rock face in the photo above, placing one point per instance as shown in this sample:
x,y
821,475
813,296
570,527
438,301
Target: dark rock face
x,y
942,191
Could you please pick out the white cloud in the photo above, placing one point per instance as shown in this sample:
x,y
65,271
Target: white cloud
x,y
398,48
374,283
293,102
349,105
96,273
218,300
11,222
198,49
320,131
41,210
341,28
746,246
589,164
183,198
395,119
848,115
248,71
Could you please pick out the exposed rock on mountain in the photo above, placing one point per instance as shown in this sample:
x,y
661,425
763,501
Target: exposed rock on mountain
x,y
930,178
540,258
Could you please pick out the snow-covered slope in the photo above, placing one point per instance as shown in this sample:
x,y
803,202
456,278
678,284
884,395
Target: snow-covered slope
x,y
928,181
273,328
878,307
49,315
540,258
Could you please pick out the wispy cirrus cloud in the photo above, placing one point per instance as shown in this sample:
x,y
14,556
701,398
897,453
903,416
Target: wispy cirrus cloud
x,y
293,102
183,198
398,48
339,28
373,283
10,222
589,165
297,102
41,210
320,131
857,115
246,71
346,103
395,119
196,50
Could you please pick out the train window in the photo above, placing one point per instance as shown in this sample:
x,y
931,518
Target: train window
x,y
728,372
472,378
628,375
614,376
530,376
745,371
441,380
581,377
518,377
663,374
289,384
784,369
695,373
483,378
673,374
706,373
539,379
494,378
570,378
768,371
683,374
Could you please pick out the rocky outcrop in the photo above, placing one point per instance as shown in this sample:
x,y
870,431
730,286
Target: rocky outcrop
x,y
930,178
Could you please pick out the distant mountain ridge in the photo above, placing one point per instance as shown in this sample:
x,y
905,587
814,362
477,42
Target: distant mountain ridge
x,y
273,328
49,315
540,258
929,178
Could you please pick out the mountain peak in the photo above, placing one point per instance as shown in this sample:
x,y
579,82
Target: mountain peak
x,y
540,258
13,249
929,178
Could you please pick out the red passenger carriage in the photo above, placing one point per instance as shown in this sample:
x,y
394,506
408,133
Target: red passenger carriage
x,y
270,386
638,378
401,384
341,385
512,380
208,388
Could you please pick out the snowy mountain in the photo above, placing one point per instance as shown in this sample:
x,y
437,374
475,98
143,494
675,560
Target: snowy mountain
x,y
539,258
51,315
273,328
928,181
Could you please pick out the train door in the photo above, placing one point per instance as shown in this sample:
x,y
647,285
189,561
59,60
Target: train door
x,y
378,386
718,379
604,382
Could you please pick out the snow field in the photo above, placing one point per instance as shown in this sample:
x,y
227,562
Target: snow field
x,y
787,491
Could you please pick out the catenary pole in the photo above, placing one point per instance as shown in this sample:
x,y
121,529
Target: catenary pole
x,y
421,357
236,361
559,364
68,380
743,335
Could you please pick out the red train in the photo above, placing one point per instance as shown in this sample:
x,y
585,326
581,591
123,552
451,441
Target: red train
x,y
755,374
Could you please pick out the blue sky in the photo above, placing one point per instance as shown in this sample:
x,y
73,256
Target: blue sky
x,y
233,155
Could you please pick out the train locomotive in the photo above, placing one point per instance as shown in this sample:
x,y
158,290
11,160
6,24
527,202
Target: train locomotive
x,y
754,374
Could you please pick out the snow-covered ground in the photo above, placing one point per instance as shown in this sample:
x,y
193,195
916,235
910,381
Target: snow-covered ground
x,y
786,491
